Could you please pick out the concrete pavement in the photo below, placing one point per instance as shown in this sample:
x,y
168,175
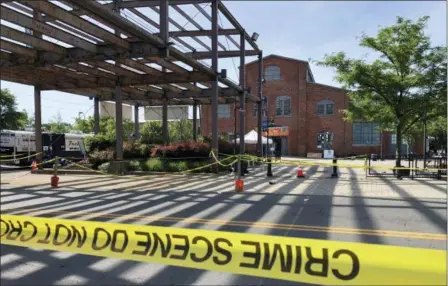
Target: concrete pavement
x,y
350,208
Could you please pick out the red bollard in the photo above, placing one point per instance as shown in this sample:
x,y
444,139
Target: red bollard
x,y
239,186
300,173
54,181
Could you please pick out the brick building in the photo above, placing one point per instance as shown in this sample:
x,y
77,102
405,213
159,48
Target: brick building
x,y
302,109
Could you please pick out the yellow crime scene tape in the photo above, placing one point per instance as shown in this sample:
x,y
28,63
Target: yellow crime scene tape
x,y
294,259
16,158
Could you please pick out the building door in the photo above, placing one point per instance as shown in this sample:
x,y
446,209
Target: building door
x,y
284,142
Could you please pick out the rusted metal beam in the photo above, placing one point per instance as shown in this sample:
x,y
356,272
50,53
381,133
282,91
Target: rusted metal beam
x,y
75,55
31,40
18,49
37,26
222,54
77,22
198,33
223,9
154,3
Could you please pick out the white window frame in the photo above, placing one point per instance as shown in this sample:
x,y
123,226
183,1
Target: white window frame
x,y
272,73
325,103
366,130
280,104
224,113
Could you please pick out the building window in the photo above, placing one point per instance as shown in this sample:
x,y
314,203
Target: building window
x,y
366,133
254,110
272,73
393,139
323,142
283,106
325,107
223,111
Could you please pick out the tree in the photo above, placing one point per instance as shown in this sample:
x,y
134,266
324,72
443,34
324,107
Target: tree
x,y
406,82
107,126
57,125
10,118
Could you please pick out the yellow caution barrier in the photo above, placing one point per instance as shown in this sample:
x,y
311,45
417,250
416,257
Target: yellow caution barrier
x,y
286,258
17,158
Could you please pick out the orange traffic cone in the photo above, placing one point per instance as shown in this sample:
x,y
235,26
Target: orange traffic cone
x,y
300,173
239,185
34,166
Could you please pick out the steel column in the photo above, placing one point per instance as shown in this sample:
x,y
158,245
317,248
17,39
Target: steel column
x,y
38,124
195,119
165,121
96,115
214,110
136,122
164,26
259,105
242,99
38,107
119,122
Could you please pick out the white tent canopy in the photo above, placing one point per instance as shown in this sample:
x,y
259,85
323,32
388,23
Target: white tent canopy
x,y
252,138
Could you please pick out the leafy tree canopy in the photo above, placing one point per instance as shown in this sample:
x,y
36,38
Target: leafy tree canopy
x,y
10,118
406,84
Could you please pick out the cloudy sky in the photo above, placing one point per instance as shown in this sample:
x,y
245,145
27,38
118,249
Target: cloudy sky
x,y
297,29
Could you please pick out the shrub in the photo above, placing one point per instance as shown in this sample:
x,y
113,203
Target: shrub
x,y
97,158
135,166
154,164
176,166
131,150
145,150
104,167
182,150
98,143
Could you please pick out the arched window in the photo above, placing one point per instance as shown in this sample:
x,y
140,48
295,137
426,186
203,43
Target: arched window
x,y
283,106
325,107
272,73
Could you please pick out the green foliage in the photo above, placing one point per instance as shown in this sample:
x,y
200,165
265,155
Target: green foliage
x,y
154,165
97,158
98,142
57,125
104,167
107,126
10,118
176,166
151,132
135,165
178,131
397,89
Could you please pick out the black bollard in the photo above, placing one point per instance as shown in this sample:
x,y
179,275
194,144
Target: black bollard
x,y
269,173
335,169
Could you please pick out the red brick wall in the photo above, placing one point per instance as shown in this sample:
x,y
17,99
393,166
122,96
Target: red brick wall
x,y
304,123
334,123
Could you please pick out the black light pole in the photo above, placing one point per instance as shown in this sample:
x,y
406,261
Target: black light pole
x,y
268,155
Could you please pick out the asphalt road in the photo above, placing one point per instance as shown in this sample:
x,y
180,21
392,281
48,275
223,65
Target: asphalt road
x,y
401,220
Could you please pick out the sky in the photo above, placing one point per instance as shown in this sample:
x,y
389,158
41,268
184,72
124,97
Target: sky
x,y
306,30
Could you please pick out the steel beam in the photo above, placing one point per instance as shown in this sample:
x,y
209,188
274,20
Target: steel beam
x,y
223,9
154,3
165,121
136,31
30,23
242,98
195,119
74,55
136,121
221,54
119,123
214,109
164,26
259,105
31,40
38,124
202,33
96,115
219,27
77,22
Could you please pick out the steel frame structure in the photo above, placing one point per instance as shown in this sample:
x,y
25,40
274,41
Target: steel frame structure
x,y
92,48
